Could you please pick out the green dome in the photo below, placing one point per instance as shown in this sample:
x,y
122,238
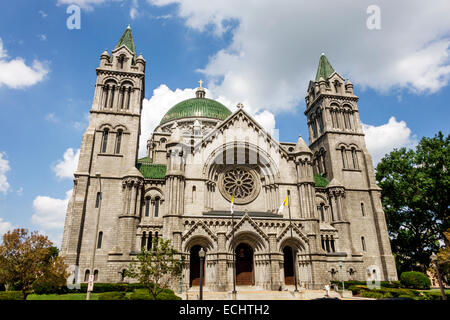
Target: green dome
x,y
197,108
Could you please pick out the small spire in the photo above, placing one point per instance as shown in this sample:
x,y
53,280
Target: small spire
x,y
128,26
325,70
240,105
200,93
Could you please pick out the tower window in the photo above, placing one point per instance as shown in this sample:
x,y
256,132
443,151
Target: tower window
x,y
143,239
147,206
156,206
323,242
355,162
99,240
105,140
344,163
332,244
362,209
194,190
149,241
322,212
98,199
118,141
363,243
122,275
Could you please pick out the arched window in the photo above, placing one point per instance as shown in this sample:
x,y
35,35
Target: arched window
x,y
194,189
99,240
320,120
331,209
122,275
344,163
362,209
98,199
332,244
149,241
105,140
144,236
323,161
121,61
147,206
319,164
95,275
363,242
118,141
355,162
327,244
314,127
322,212
323,242
86,275
156,206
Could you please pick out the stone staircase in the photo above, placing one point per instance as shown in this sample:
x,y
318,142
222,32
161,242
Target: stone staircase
x,y
252,293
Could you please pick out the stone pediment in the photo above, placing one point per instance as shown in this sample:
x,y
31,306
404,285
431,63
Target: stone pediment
x,y
295,231
197,229
230,124
247,224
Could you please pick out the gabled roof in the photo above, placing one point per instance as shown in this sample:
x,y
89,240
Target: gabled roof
x,y
325,70
151,170
211,135
127,41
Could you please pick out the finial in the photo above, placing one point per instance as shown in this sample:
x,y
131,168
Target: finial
x,y
128,26
200,82
240,105
323,53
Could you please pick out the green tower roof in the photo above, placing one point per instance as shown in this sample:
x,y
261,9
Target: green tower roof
x,y
325,70
197,108
127,41
151,170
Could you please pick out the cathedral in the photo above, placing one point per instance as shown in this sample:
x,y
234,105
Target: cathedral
x,y
267,214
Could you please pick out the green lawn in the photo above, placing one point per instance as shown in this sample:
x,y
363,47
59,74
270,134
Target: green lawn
x,y
69,296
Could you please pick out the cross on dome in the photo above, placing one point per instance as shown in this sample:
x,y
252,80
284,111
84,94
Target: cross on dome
x,y
200,82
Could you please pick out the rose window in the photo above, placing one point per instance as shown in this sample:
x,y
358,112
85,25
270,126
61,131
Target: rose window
x,y
240,183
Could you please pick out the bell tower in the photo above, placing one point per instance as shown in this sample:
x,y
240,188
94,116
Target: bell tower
x,y
340,155
107,163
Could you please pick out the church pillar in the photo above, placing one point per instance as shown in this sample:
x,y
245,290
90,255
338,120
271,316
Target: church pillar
x,y
276,257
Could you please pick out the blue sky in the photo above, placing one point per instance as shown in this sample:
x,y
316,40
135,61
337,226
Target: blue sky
x,y
260,53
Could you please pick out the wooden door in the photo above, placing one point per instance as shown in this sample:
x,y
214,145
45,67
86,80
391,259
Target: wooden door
x,y
244,265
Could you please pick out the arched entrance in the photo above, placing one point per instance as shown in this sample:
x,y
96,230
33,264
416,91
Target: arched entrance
x,y
244,265
194,267
288,266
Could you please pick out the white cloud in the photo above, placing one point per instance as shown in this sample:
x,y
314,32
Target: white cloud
x,y
43,14
381,140
49,215
42,37
164,98
4,168
275,46
51,117
85,4
17,74
20,191
134,12
5,226
66,167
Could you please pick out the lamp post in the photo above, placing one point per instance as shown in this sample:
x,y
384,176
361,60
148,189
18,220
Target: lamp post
x,y
201,254
435,260
342,276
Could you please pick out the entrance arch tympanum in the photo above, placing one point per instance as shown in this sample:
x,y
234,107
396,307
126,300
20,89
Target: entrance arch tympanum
x,y
194,267
244,265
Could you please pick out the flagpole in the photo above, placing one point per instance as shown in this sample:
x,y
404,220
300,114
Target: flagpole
x,y
232,245
292,248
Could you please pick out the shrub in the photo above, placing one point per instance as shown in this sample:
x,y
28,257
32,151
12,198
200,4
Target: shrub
x,y
435,295
112,296
42,287
11,295
415,280
372,294
100,287
143,294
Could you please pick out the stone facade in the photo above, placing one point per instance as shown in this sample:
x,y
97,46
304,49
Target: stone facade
x,y
332,227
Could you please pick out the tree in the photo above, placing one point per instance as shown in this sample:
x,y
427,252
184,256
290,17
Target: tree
x,y
415,194
26,259
156,268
